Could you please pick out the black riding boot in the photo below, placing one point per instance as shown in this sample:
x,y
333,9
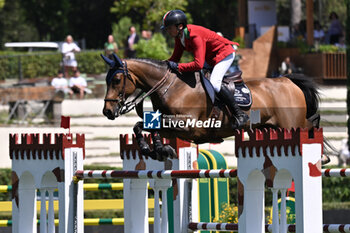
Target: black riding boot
x,y
240,118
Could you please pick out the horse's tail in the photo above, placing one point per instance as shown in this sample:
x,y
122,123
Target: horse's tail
x,y
310,91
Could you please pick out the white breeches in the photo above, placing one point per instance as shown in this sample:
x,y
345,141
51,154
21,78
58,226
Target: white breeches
x,y
219,71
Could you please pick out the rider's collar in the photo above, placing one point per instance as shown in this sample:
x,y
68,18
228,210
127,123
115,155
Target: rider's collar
x,y
184,34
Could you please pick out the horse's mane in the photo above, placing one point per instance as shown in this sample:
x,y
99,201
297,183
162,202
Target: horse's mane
x,y
157,63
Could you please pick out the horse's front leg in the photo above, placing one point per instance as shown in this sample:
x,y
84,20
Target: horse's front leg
x,y
161,152
144,147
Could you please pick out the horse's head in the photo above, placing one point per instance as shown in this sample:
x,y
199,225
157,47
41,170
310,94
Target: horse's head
x,y
119,87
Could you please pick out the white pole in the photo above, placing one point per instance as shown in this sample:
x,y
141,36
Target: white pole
x,y
275,217
156,225
164,210
43,223
51,214
283,226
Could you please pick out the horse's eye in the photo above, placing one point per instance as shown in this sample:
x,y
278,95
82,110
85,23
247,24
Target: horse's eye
x,y
116,80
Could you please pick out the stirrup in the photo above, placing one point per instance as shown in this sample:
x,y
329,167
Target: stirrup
x,y
239,124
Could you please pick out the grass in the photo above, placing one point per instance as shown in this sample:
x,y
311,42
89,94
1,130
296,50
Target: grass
x,y
333,112
335,138
333,123
336,205
3,117
332,100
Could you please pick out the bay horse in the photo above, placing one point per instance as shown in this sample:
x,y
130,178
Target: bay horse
x,y
285,102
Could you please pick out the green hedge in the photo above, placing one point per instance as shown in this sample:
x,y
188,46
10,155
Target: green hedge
x,y
35,65
5,179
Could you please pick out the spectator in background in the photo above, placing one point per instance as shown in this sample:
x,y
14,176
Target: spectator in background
x,y
297,33
287,67
61,84
78,85
335,30
341,45
110,47
132,39
69,48
146,35
318,33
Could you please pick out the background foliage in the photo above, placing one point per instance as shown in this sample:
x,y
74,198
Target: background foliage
x,y
36,65
94,20
155,48
147,13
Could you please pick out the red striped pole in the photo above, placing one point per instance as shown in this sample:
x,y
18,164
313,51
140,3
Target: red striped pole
x,y
329,228
169,174
156,174
336,172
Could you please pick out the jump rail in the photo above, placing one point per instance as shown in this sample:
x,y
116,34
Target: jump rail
x,y
336,172
156,174
268,228
188,174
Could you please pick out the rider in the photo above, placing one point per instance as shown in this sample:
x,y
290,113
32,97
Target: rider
x,y
206,46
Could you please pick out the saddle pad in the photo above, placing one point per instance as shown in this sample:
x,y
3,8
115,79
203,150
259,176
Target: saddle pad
x,y
243,96
242,93
209,88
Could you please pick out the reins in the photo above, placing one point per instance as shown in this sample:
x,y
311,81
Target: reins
x,y
126,107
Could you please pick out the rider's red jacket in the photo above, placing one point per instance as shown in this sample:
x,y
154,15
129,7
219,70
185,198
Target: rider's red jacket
x,y
205,45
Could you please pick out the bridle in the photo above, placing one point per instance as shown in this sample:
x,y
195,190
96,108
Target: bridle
x,y
111,73
125,107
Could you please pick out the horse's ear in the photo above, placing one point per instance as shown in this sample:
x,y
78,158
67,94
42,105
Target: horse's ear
x,y
109,62
117,60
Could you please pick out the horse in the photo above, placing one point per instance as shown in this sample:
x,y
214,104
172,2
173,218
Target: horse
x,y
285,102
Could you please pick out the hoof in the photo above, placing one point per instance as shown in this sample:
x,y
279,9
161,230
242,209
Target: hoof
x,y
169,152
156,156
325,159
162,154
145,150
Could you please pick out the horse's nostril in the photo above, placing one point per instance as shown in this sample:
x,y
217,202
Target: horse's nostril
x,y
107,112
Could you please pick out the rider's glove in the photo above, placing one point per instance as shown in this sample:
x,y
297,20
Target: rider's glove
x,y
173,66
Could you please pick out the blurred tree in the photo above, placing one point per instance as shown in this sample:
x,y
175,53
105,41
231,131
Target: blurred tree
x,y
147,13
13,24
326,7
91,20
53,20
49,17
283,12
216,15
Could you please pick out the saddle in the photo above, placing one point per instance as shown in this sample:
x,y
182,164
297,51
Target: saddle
x,y
235,84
